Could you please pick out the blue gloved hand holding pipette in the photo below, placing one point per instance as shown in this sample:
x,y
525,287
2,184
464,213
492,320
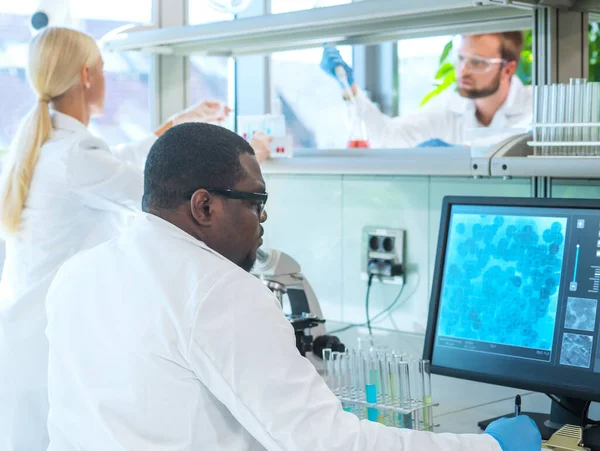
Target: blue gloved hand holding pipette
x,y
332,59
435,142
516,434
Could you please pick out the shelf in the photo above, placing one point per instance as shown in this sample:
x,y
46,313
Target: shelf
x,y
366,22
515,159
452,161
590,6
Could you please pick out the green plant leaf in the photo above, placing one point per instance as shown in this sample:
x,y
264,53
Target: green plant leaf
x,y
446,51
444,70
449,80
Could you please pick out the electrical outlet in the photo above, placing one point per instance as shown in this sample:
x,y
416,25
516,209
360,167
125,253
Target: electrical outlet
x,y
381,246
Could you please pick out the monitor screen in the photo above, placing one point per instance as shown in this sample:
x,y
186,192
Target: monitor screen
x,y
515,294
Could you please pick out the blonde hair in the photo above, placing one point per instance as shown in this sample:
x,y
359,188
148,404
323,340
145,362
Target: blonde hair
x,y
56,57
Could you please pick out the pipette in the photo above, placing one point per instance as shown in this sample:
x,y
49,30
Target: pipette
x,y
341,75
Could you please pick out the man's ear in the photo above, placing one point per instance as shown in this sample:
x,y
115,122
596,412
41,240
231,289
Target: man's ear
x,y
202,206
511,68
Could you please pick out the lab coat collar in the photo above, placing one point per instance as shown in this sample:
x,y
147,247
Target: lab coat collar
x,y
513,106
61,121
147,220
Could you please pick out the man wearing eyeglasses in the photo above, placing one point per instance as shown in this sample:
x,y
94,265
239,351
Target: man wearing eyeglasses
x,y
161,340
488,94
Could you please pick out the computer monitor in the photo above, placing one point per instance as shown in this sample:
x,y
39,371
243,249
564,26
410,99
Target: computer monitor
x,y
515,298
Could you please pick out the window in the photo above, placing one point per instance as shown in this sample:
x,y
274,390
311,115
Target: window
x,y
431,60
311,101
14,87
210,77
127,114
595,51
418,61
315,113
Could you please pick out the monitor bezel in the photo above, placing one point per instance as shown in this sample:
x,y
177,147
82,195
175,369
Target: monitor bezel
x,y
507,381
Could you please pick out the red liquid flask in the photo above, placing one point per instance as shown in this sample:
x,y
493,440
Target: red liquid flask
x,y
358,131
358,144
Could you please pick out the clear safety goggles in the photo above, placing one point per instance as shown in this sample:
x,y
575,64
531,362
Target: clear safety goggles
x,y
476,64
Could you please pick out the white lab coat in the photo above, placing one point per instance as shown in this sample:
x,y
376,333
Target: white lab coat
x,y
448,117
158,342
79,192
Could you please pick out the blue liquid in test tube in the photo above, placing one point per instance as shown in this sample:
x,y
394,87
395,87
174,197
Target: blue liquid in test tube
x,y
371,379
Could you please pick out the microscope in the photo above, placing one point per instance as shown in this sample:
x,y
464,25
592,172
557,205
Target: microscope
x,y
283,276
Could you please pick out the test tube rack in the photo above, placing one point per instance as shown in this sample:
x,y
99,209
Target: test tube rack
x,y
567,119
407,418
387,388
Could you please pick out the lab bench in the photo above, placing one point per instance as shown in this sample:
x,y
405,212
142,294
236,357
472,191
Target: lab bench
x,y
513,157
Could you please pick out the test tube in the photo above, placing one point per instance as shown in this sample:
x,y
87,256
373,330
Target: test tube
x,y
570,115
545,112
578,112
425,367
587,118
371,380
394,395
416,390
385,417
561,132
360,371
353,381
335,372
553,107
404,391
327,364
537,118
344,385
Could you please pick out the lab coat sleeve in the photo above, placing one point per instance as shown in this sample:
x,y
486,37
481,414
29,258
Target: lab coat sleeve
x,y
242,349
398,132
101,179
135,152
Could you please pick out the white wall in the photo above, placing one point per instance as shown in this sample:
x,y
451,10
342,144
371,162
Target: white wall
x,y
318,220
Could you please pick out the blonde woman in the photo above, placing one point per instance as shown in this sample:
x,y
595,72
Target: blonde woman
x,y
62,190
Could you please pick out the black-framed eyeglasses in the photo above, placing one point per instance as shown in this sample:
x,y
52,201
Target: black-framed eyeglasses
x,y
259,198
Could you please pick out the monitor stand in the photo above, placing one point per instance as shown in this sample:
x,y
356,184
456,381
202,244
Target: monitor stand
x,y
549,424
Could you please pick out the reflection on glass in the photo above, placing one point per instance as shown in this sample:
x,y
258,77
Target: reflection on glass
x,y
418,61
210,77
127,115
286,6
315,113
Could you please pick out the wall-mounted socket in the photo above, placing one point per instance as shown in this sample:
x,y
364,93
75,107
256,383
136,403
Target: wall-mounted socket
x,y
383,248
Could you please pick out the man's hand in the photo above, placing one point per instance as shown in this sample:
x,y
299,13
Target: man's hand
x,y
331,59
435,142
516,434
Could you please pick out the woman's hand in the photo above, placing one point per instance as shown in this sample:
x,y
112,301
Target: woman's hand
x,y
210,111
261,144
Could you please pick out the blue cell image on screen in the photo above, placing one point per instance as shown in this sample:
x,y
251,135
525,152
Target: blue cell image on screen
x,y
581,314
501,279
576,350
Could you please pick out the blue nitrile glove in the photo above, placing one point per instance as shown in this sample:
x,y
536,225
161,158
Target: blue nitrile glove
x,y
434,143
516,434
331,59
